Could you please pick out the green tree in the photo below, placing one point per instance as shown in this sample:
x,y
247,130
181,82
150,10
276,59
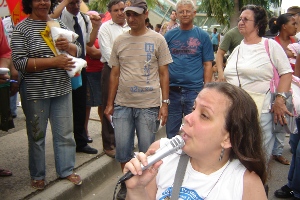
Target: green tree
x,y
101,5
226,12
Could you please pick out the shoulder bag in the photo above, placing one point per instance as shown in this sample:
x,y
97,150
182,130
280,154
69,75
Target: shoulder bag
x,y
290,126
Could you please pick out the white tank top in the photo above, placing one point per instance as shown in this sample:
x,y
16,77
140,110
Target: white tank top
x,y
196,185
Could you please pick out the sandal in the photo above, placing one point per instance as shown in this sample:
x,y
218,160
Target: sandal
x,y
38,184
4,172
281,159
74,178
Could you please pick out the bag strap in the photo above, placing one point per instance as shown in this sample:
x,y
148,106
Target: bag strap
x,y
275,80
180,172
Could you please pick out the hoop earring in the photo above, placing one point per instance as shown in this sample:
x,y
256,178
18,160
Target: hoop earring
x,y
222,154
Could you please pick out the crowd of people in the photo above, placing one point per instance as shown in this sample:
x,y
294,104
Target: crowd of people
x,y
176,76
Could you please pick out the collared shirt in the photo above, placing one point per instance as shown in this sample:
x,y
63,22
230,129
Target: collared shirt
x,y
108,32
67,19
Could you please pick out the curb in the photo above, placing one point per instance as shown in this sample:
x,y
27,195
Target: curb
x,y
93,174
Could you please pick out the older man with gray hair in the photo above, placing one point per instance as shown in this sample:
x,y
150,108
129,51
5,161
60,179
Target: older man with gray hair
x,y
192,54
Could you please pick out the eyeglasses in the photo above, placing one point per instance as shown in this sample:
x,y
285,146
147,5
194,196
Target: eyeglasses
x,y
187,12
75,3
245,20
39,1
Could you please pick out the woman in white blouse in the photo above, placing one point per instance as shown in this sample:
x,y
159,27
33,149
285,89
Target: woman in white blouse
x,y
249,66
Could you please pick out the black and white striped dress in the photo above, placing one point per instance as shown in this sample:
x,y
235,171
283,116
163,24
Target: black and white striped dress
x,y
26,43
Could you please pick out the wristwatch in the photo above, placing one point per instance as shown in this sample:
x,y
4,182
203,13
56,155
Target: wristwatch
x,y
167,101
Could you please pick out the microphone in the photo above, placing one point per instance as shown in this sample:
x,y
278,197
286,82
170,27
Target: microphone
x,y
171,147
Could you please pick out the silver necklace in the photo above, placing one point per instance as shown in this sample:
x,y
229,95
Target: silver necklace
x,y
217,181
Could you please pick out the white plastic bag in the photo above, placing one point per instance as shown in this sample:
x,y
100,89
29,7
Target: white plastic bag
x,y
79,64
57,32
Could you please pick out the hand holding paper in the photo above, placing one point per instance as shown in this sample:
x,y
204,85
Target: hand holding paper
x,y
61,39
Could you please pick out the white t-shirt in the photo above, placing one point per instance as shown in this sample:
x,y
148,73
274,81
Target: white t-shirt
x,y
255,69
196,185
107,34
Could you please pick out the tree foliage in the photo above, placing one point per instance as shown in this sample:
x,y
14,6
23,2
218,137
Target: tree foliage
x,y
101,5
226,11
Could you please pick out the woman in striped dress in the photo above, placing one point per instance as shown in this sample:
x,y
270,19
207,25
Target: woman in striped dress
x,y
45,91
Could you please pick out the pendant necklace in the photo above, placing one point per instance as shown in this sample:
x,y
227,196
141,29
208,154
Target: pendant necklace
x,y
217,181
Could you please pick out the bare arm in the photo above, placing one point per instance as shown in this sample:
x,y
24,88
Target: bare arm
x,y
39,64
164,84
113,86
63,44
219,63
14,87
4,63
253,187
58,10
279,107
93,52
96,22
207,71
138,191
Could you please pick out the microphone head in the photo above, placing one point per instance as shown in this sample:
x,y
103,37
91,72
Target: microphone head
x,y
177,142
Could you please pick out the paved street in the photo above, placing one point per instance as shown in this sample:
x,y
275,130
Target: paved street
x,y
99,172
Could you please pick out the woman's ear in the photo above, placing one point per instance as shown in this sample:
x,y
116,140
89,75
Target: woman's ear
x,y
226,141
284,26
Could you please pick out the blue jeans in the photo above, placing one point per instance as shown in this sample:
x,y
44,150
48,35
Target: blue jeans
x,y
13,104
59,111
294,172
127,121
268,136
181,103
278,144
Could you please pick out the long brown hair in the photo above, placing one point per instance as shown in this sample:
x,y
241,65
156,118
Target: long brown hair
x,y
243,125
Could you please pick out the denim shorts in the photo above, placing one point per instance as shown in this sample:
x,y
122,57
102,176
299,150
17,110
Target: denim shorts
x,y
93,94
128,121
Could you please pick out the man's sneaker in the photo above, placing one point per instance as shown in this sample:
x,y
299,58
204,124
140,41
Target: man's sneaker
x,y
284,192
122,192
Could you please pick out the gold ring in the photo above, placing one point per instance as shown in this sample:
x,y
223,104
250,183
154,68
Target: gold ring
x,y
284,116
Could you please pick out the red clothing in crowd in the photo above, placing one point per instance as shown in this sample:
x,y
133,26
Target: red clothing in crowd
x,y
94,65
5,51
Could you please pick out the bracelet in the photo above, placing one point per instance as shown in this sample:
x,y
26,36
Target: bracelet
x,y
283,97
34,64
